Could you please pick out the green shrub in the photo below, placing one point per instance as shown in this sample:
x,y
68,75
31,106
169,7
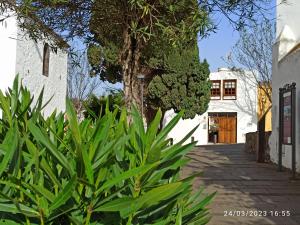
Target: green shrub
x,y
60,171
95,106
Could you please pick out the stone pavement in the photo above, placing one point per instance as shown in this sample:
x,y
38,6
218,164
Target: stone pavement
x,y
244,186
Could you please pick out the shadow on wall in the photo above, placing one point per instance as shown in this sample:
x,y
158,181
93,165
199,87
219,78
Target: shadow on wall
x,y
38,51
249,102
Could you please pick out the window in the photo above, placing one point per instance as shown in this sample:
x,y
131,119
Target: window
x,y
215,91
229,91
46,59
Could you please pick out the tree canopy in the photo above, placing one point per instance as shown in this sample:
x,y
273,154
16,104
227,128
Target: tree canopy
x,y
184,86
123,33
73,17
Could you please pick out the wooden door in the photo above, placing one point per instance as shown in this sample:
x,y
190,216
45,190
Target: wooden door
x,y
232,130
227,129
222,130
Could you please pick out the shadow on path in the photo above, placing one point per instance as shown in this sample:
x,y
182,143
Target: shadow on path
x,y
244,185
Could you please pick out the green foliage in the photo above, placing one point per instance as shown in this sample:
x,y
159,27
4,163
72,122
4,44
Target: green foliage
x,y
184,86
60,171
142,28
74,16
96,107
103,61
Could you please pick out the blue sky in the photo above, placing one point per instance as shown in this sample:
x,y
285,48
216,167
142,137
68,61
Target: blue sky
x,y
219,44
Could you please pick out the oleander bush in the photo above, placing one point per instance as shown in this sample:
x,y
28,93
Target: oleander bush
x,y
60,171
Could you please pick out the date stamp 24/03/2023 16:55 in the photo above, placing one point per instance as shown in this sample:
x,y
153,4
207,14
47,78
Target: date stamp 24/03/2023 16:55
x,y
257,213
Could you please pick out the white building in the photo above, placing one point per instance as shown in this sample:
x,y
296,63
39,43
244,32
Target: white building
x,y
37,64
231,114
286,67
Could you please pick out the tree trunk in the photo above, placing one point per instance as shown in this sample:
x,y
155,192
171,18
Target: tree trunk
x,y
261,140
130,61
162,120
261,149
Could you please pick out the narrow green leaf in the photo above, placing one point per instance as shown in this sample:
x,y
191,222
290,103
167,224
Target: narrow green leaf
x,y
158,194
88,165
116,205
39,136
152,130
14,100
200,206
39,101
166,130
126,175
46,103
177,150
5,106
64,195
153,197
48,170
43,191
19,208
9,145
34,152
17,186
100,135
73,122
179,217
188,135
138,121
96,202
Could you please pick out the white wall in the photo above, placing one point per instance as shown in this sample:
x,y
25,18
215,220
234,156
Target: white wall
x,y
29,66
286,71
245,106
288,14
8,49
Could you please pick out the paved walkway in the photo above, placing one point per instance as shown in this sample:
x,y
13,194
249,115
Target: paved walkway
x,y
244,185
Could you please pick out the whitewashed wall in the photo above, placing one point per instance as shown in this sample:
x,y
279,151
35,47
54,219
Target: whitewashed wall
x,y
288,14
29,63
245,106
8,49
286,70
21,55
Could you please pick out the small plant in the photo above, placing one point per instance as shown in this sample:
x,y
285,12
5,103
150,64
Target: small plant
x,y
60,171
